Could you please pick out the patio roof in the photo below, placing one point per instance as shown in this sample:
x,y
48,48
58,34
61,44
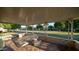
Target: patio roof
x,y
34,15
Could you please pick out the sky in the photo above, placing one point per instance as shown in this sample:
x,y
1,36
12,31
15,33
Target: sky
x,y
48,24
51,23
35,25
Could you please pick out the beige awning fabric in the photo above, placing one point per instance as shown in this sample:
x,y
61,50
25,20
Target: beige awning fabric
x,y
34,15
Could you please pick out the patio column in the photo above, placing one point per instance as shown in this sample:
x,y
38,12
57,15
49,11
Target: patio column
x,y
68,30
26,29
71,29
33,29
46,28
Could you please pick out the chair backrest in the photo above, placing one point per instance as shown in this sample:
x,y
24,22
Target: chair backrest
x,y
73,45
11,44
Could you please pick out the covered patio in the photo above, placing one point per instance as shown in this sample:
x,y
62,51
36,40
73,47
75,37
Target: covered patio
x,y
37,15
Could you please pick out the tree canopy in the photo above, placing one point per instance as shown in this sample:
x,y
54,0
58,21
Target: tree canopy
x,y
29,27
39,27
50,27
59,25
10,26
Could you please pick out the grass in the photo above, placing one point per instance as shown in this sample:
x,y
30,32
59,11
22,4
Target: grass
x,y
8,33
63,35
57,34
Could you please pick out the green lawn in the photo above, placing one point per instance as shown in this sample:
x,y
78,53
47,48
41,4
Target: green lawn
x,y
57,34
76,37
8,33
63,35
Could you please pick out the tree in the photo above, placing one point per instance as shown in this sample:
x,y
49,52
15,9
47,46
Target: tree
x,y
29,27
15,26
1,25
76,25
59,25
39,27
7,26
50,27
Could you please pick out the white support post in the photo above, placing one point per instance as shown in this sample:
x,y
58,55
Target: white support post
x,y
71,29
46,28
32,29
68,30
26,29
26,23
70,37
